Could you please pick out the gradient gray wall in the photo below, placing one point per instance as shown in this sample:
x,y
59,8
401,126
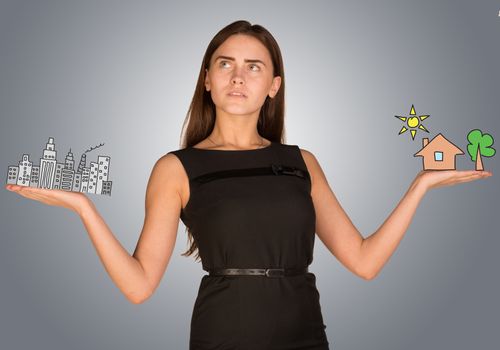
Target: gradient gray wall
x,y
123,73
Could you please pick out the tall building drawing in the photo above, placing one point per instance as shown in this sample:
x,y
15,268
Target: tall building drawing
x,y
68,172
85,180
35,173
48,165
58,176
93,177
83,164
24,175
103,172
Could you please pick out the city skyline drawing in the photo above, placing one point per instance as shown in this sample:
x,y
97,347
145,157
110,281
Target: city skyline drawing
x,y
51,174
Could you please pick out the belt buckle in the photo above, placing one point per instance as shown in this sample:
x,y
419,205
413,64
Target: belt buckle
x,y
274,272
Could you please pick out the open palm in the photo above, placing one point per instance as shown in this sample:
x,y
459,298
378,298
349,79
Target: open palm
x,y
61,198
440,178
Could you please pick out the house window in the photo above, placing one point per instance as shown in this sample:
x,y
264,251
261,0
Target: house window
x,y
438,156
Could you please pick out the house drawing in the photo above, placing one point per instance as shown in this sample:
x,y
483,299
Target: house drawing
x,y
438,154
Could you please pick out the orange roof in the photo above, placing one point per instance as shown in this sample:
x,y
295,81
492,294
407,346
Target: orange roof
x,y
441,143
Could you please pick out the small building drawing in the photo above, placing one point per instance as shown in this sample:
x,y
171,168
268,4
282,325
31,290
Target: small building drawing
x,y
438,154
106,188
77,182
12,175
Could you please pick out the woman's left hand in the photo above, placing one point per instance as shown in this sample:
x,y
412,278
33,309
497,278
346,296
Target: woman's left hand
x,y
440,178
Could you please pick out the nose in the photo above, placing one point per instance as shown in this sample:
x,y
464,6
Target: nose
x,y
237,77
237,81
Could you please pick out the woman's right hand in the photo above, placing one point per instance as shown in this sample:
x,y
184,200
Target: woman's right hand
x,y
74,201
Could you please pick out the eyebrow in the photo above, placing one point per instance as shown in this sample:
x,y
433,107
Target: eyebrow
x,y
233,59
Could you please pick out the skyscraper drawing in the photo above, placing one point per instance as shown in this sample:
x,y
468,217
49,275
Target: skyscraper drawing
x,y
48,165
83,163
35,173
103,172
58,176
85,180
68,172
93,177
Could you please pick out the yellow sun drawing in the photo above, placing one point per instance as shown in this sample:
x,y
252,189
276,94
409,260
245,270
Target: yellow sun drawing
x,y
413,123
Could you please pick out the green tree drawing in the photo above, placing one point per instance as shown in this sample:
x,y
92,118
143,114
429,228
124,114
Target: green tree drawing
x,y
479,146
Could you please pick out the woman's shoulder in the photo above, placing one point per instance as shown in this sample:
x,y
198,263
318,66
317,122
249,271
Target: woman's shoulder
x,y
169,164
311,163
305,153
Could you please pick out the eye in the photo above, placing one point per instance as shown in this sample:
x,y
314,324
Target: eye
x,y
252,66
221,64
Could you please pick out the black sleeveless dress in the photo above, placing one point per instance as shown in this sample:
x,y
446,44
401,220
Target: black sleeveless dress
x,y
246,212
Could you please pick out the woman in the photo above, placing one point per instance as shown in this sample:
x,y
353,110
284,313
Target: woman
x,y
252,206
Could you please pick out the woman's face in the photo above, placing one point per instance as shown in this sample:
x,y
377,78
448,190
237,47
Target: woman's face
x,y
240,76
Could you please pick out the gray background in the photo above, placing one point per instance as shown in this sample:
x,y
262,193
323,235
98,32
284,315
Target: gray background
x,y
123,73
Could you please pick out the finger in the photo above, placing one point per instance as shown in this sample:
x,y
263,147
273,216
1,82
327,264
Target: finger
x,y
460,178
467,179
13,188
475,177
470,175
478,175
474,172
25,191
34,190
28,192
25,194
37,197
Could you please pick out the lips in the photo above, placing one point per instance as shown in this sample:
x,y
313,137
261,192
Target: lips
x,y
236,94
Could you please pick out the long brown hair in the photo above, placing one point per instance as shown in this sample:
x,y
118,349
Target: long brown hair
x,y
200,118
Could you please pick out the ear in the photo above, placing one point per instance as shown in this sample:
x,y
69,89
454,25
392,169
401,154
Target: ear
x,y
207,81
275,86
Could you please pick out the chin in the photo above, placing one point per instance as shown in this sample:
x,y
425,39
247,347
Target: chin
x,y
239,111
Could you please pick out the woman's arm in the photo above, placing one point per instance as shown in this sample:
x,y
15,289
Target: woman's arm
x,y
365,257
376,249
137,276
125,270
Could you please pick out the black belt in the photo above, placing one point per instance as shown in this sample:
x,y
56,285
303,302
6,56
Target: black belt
x,y
271,272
